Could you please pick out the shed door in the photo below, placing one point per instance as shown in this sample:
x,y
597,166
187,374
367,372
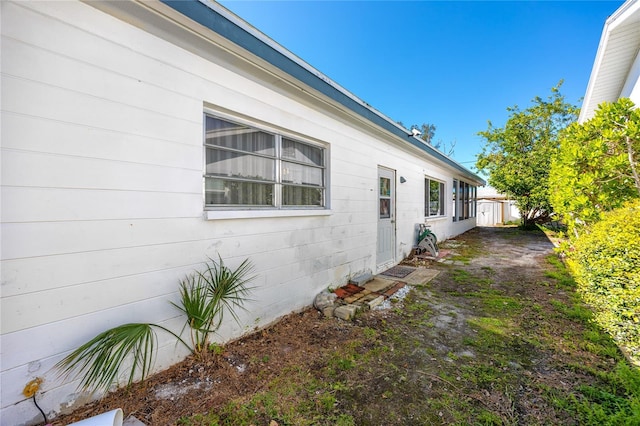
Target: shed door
x,y
386,216
489,213
485,214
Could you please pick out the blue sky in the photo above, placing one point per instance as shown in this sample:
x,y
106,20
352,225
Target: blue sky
x,y
452,64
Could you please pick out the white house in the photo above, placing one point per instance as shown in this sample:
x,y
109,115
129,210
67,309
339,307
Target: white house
x,y
616,68
140,137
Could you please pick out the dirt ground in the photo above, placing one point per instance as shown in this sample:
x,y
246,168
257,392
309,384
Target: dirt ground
x,y
433,356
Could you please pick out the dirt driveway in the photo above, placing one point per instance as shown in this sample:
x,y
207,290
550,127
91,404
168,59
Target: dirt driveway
x,y
497,337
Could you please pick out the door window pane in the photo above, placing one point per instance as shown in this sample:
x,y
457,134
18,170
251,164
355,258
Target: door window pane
x,y
385,208
385,187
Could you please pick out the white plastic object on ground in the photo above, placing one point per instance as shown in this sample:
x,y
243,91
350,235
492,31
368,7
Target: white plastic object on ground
x,y
110,418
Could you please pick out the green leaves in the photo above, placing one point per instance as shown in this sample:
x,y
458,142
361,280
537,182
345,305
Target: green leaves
x,y
517,157
595,174
196,305
227,288
595,168
206,296
606,264
99,360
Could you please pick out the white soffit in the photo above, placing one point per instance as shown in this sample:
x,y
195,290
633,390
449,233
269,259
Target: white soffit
x,y
618,48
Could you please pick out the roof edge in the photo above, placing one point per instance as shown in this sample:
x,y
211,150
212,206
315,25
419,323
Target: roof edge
x,y
220,20
611,23
618,16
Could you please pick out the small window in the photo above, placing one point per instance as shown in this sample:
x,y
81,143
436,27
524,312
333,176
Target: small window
x,y
247,167
433,197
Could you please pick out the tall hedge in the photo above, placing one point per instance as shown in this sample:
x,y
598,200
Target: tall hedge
x,y
606,265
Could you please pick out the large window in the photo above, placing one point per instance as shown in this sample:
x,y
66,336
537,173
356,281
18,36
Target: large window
x,y
464,200
433,198
248,167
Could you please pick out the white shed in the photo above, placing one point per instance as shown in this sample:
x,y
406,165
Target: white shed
x,y
495,208
140,137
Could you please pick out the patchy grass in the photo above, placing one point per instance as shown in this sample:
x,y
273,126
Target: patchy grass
x,y
525,351
500,340
477,345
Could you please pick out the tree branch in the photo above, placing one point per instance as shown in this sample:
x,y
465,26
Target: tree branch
x,y
632,163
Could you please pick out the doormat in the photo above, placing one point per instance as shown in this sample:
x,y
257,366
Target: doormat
x,y
398,271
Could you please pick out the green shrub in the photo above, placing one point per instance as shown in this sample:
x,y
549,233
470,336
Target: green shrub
x,y
205,297
606,265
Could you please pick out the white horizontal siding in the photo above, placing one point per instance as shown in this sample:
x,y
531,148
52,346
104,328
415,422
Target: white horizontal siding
x,y
102,211
34,239
38,134
36,204
40,100
55,339
26,62
87,238
51,27
24,276
24,311
44,170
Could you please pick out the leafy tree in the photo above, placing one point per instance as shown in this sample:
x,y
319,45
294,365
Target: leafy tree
x,y
517,156
596,167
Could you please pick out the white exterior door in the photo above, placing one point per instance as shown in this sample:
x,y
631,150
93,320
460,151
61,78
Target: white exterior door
x,y
386,217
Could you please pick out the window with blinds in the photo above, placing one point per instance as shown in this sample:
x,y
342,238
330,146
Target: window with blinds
x,y
246,167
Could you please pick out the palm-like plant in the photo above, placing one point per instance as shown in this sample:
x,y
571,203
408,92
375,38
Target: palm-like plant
x,y
195,305
204,298
101,358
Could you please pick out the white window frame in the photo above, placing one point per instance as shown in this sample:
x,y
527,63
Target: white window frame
x,y
427,198
222,211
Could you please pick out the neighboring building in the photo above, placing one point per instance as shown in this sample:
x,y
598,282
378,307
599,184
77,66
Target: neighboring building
x,y
495,208
140,137
616,69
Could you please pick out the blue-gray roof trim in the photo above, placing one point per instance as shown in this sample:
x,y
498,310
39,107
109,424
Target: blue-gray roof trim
x,y
209,18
